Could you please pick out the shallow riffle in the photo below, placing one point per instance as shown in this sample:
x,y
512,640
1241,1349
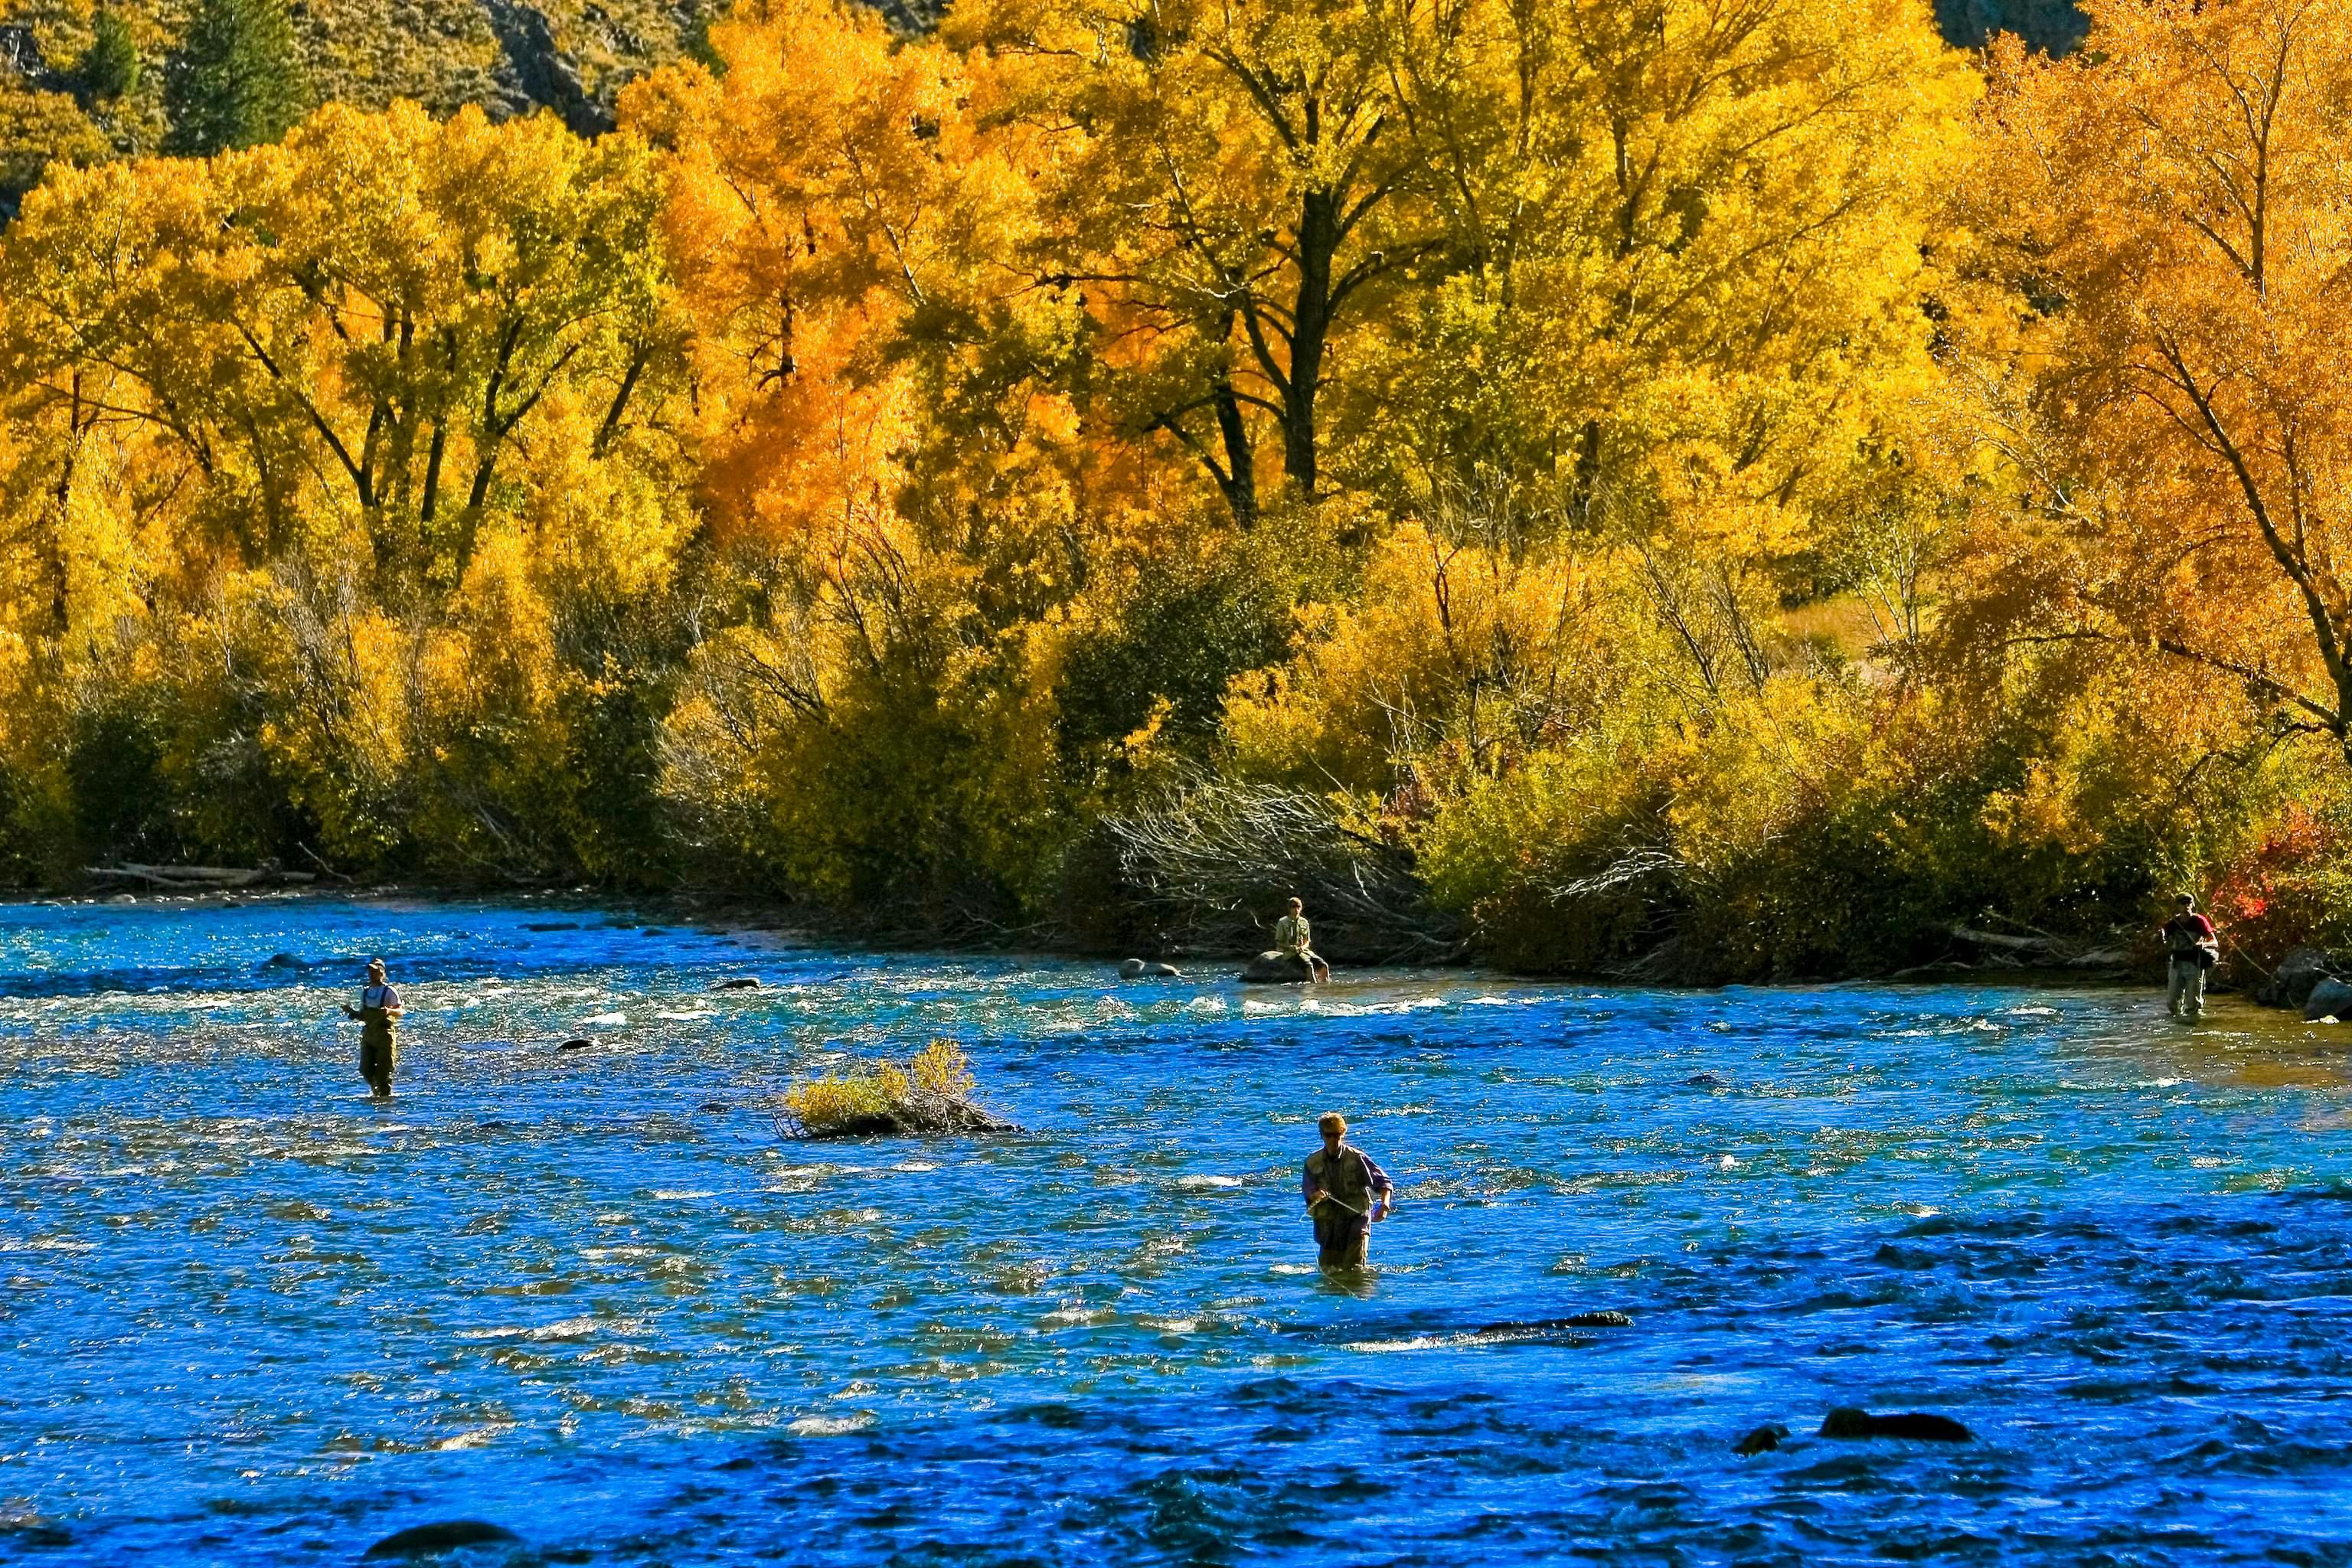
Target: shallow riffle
x,y
593,1296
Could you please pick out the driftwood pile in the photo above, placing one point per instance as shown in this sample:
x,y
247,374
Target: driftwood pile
x,y
1211,862
2033,950
203,878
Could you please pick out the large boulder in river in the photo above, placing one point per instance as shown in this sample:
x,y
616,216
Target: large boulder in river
x,y
2292,983
1274,968
2331,998
1915,1424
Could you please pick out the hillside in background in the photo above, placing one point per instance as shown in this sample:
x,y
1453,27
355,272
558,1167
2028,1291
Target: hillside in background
x,y
2053,25
511,57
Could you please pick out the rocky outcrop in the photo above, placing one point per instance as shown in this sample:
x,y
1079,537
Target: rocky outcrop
x,y
20,53
547,73
1273,968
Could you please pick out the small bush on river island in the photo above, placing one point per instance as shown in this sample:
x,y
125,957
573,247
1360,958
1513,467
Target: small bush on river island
x,y
931,1094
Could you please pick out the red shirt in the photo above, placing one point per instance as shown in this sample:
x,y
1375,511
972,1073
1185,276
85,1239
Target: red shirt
x,y
2185,931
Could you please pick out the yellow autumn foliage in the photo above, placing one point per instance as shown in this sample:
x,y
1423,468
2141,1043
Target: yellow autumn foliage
x,y
1727,492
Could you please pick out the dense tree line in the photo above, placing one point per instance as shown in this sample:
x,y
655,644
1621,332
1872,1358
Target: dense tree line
x,y
1732,490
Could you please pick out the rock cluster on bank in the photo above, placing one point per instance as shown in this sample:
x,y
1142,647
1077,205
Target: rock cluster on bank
x,y
2307,980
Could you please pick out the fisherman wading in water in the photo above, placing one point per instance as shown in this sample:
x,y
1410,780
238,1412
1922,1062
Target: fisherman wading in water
x,y
2190,949
1293,936
1345,1195
378,1010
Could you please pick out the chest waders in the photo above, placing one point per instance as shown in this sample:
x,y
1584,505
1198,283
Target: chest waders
x,y
379,1051
1341,1227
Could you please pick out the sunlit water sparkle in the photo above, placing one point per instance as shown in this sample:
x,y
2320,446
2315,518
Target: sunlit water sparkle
x,y
248,1316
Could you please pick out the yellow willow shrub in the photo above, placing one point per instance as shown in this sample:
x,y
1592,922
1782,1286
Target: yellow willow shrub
x,y
1508,852
931,1093
36,827
1767,759
874,743
1488,652
494,752
741,686
336,681
924,794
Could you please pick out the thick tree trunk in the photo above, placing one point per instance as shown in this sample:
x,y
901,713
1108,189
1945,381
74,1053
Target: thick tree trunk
x,y
1238,478
1318,240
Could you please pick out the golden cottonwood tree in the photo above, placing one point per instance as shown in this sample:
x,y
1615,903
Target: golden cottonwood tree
x,y
897,487
355,447
2172,211
354,325
1232,182
1691,239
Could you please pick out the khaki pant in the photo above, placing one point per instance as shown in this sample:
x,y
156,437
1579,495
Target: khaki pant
x,y
2184,990
1343,1241
378,1057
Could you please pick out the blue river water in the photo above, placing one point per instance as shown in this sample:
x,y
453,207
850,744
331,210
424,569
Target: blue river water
x,y
593,1295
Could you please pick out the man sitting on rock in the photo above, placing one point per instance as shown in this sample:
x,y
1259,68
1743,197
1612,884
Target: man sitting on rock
x,y
1294,938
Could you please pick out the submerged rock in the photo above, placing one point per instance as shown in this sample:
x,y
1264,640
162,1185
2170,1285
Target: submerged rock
x,y
575,1045
444,1536
2331,998
2293,982
1273,968
1706,1081
741,982
1605,1319
1146,969
1916,1425
22,1528
1763,1440
924,1116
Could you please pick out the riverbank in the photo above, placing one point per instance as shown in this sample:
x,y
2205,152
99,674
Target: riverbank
x,y
718,912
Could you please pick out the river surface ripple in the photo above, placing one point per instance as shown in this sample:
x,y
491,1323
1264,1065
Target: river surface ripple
x,y
591,1295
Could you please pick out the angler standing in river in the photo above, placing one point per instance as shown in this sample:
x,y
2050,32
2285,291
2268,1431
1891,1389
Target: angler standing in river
x,y
378,1011
1345,1193
2190,949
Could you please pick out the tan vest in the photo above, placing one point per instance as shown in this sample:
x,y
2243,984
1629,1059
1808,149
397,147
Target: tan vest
x,y
1346,1178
